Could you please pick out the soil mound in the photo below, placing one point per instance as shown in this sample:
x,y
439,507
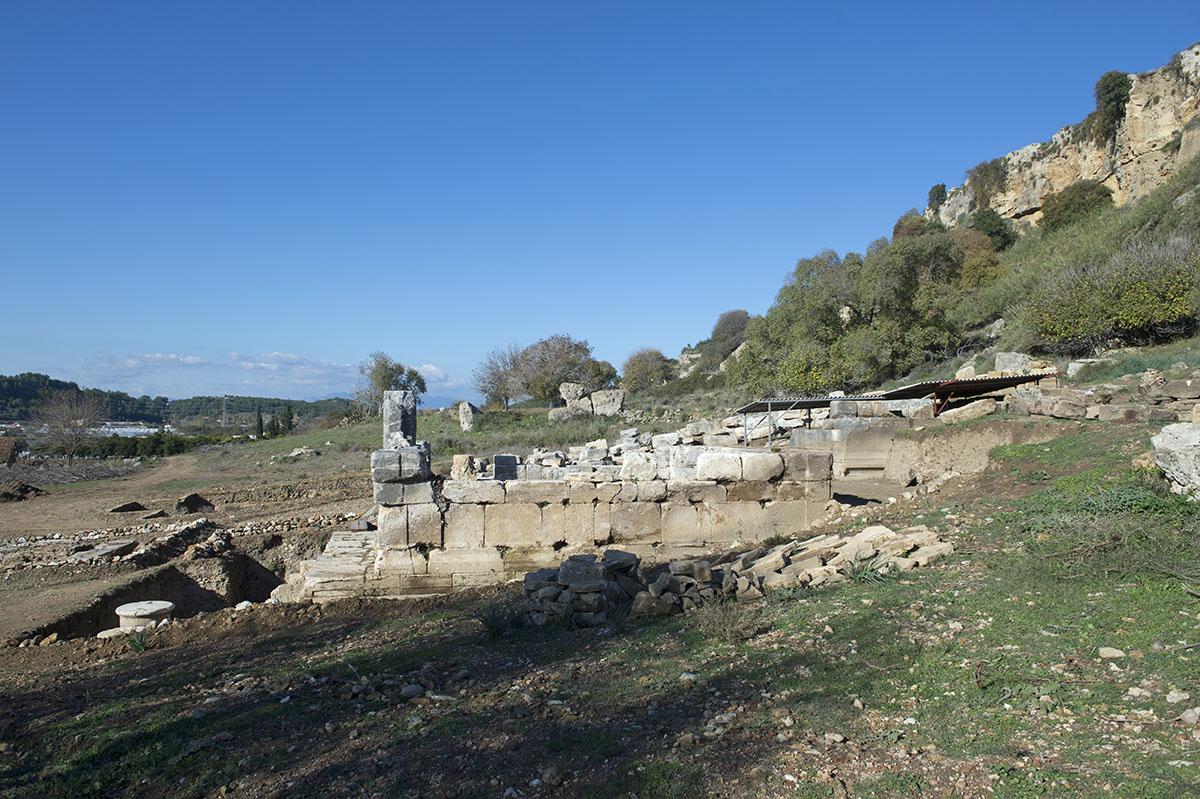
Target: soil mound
x,y
15,492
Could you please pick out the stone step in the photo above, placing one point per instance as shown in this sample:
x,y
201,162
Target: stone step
x,y
344,567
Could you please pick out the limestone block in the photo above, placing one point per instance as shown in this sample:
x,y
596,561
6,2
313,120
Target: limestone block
x,y
965,372
666,440
512,525
639,466
1122,413
1065,409
761,466
463,527
814,492
580,407
1014,362
626,492
538,492
581,493
652,491
399,419
758,491
424,525
466,416
789,517
474,491
606,493
928,554
1182,389
602,522
636,522
840,409
579,520
402,493
466,561
683,462
720,466
701,427
400,562
721,439
608,403
680,523
402,464
463,468
731,521
1024,401
1177,452
696,491
553,527
560,415
1196,414
803,465
972,410
571,391
392,524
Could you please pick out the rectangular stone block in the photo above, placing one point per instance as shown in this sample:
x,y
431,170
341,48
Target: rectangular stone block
x,y
401,465
792,517
804,465
403,493
424,525
463,527
393,527
466,561
400,562
504,467
627,491
788,490
579,524
758,491
602,522
553,527
652,491
581,493
639,466
478,491
725,467
399,419
537,492
759,466
680,523
636,522
696,491
512,525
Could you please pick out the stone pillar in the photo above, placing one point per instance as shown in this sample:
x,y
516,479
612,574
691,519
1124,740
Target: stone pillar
x,y
399,419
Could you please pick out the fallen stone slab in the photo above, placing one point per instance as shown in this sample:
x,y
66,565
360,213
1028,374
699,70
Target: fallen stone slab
x,y
193,503
109,549
127,507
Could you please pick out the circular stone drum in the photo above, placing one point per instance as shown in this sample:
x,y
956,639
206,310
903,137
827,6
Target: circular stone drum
x,y
147,613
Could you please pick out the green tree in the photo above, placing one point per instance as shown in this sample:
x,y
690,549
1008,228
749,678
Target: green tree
x,y
996,227
645,369
1079,200
289,419
1112,95
258,424
987,178
380,373
497,378
544,365
937,197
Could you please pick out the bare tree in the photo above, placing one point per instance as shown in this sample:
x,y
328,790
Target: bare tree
x,y
497,378
70,417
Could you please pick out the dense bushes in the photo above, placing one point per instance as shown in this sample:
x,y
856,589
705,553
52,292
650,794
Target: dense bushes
x,y
986,179
158,444
1112,94
856,321
1145,292
646,369
1080,199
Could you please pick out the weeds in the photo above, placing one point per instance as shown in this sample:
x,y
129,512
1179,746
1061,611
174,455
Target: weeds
x,y
728,622
498,619
137,641
874,569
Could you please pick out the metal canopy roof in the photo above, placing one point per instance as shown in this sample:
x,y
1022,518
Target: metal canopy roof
x,y
936,389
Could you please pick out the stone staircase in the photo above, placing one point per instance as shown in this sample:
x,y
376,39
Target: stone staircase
x,y
345,569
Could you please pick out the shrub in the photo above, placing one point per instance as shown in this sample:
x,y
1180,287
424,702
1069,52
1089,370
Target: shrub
x,y
937,197
986,178
646,369
1112,94
1079,200
1144,293
996,227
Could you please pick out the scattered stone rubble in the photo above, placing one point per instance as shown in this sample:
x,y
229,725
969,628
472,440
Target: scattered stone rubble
x,y
591,590
609,402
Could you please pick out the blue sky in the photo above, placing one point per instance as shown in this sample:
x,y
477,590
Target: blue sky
x,y
250,197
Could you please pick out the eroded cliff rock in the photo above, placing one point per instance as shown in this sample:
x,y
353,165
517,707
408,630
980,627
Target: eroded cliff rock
x,y
1160,133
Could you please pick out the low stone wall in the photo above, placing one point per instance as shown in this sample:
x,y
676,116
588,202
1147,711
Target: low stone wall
x,y
434,536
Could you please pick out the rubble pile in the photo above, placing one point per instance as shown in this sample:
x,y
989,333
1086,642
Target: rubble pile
x,y
590,590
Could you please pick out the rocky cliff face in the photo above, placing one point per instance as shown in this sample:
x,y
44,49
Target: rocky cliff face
x,y
1160,133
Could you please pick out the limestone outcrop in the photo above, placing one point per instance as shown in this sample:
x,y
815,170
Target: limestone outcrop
x,y
1159,134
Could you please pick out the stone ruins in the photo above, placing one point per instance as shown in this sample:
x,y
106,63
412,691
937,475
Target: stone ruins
x,y
665,497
